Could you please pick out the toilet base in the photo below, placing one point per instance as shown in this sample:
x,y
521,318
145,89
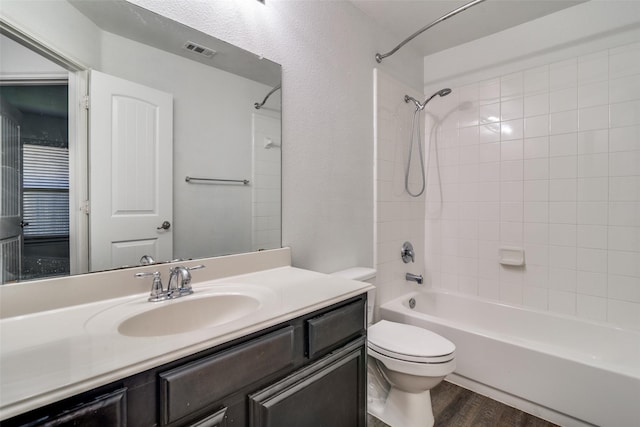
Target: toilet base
x,y
402,409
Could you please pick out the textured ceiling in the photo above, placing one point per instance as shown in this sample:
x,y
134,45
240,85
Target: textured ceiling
x,y
404,17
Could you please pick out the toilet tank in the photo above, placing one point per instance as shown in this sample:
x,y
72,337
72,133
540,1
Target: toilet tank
x,y
362,274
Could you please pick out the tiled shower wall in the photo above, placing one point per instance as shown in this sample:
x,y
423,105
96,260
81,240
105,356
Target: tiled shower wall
x,y
399,217
546,159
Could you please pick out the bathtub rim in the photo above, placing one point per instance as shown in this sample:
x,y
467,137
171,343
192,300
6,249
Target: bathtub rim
x,y
533,345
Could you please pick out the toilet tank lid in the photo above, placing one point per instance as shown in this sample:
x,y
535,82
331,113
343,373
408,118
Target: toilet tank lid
x,y
356,273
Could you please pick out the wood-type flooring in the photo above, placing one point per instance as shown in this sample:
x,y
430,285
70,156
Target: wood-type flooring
x,y
454,406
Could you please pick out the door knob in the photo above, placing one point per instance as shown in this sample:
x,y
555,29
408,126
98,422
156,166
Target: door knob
x,y
165,226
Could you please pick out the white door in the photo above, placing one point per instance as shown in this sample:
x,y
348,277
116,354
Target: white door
x,y
130,183
11,199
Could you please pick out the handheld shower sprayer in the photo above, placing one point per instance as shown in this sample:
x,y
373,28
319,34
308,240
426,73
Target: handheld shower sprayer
x,y
415,130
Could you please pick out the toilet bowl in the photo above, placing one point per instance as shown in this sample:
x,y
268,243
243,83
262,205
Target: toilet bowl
x,y
410,359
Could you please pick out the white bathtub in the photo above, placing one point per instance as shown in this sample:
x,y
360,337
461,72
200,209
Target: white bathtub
x,y
568,371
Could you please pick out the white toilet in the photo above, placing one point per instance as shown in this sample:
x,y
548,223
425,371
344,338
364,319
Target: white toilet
x,y
412,360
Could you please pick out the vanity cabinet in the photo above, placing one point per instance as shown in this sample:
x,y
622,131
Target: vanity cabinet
x,y
309,371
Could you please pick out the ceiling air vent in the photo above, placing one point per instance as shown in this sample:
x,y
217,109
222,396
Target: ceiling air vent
x,y
199,49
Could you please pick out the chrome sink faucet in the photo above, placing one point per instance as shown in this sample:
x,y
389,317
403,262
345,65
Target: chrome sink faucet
x,y
179,283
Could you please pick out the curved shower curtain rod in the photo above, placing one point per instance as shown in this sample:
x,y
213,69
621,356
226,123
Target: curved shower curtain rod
x,y
381,56
258,106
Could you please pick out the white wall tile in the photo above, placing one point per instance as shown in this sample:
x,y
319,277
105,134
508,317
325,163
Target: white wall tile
x,y
489,152
536,79
563,122
537,147
511,170
623,263
536,212
563,190
562,212
563,74
624,188
489,91
593,260
489,133
488,171
624,238
591,308
595,141
593,189
563,257
511,85
535,297
590,283
624,89
624,114
512,129
562,302
624,139
623,313
536,191
512,109
624,163
594,213
593,118
563,167
592,236
562,234
593,67
537,233
563,145
563,99
511,232
624,288
593,165
511,191
625,214
536,126
511,150
537,104
536,169
593,94
489,113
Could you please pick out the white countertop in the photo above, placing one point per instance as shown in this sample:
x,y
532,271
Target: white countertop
x,y
50,355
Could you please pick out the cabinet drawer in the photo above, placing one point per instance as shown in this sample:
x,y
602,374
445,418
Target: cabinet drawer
x,y
335,327
107,410
192,387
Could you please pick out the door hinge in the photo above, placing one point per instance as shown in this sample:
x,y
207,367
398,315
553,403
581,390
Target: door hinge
x,y
85,207
85,102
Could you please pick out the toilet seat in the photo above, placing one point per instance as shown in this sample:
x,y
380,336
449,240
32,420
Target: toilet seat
x,y
409,343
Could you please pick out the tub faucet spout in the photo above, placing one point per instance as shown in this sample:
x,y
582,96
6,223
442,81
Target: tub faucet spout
x,y
414,278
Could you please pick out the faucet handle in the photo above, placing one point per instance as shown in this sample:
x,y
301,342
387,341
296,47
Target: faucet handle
x,y
157,290
185,286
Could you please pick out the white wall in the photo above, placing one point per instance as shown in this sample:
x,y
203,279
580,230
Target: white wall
x,y
543,153
327,50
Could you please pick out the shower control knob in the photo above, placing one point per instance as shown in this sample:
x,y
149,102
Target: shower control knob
x,y
407,253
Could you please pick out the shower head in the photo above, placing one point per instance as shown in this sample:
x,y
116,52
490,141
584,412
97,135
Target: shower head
x,y
420,106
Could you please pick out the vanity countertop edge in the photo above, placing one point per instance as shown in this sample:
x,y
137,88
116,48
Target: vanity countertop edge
x,y
51,355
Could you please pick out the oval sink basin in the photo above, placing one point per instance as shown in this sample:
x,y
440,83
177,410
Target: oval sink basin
x,y
188,314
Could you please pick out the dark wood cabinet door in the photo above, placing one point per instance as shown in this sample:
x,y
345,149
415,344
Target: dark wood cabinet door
x,y
330,392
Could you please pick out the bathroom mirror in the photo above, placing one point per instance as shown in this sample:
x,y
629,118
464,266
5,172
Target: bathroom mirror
x,y
201,171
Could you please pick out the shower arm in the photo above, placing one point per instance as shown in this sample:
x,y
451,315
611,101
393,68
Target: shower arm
x,y
257,105
381,56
